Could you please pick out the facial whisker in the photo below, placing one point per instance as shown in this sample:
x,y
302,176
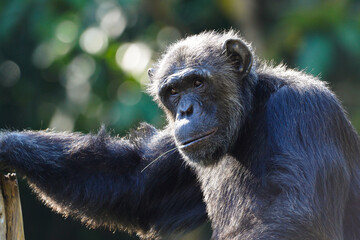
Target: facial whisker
x,y
171,150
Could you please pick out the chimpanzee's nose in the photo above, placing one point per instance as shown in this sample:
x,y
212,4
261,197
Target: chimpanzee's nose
x,y
187,110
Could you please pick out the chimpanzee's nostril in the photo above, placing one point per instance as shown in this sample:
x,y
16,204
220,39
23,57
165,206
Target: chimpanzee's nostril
x,y
188,112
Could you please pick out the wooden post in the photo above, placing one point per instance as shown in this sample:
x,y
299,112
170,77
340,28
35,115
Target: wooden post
x,y
11,222
2,215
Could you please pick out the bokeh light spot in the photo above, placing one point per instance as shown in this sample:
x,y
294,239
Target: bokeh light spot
x,y
113,22
79,94
76,78
46,53
62,121
43,56
9,73
129,93
66,31
94,40
133,58
81,68
166,36
60,48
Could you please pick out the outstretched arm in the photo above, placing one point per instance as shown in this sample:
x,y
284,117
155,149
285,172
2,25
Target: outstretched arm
x,y
99,179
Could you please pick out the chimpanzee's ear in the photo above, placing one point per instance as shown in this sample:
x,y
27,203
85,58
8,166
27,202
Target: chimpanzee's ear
x,y
239,54
150,73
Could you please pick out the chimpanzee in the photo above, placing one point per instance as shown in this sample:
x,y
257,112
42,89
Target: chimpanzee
x,y
261,151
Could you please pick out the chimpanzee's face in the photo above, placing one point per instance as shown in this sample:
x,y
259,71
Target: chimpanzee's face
x,y
198,87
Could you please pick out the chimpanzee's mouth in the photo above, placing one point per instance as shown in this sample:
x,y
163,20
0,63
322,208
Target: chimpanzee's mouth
x,y
198,138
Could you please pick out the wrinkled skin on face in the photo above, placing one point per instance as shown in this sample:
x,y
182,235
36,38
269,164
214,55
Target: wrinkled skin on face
x,y
203,88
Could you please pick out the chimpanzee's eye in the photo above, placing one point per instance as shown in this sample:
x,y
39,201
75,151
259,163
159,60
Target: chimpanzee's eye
x,y
173,91
198,83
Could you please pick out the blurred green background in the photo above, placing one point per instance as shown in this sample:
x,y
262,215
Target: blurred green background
x,y
74,64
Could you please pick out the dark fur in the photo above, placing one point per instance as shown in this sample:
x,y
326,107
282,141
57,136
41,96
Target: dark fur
x,y
286,165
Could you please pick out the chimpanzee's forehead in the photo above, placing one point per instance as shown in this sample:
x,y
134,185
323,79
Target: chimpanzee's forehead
x,y
184,60
203,51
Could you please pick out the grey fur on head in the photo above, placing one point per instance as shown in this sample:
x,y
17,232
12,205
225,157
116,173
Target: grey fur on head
x,y
192,51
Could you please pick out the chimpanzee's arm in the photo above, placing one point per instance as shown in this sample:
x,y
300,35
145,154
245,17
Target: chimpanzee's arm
x,y
99,179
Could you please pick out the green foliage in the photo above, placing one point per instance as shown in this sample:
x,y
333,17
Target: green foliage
x,y
315,56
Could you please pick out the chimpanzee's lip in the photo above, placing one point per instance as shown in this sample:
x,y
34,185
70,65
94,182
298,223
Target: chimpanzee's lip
x,y
198,138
